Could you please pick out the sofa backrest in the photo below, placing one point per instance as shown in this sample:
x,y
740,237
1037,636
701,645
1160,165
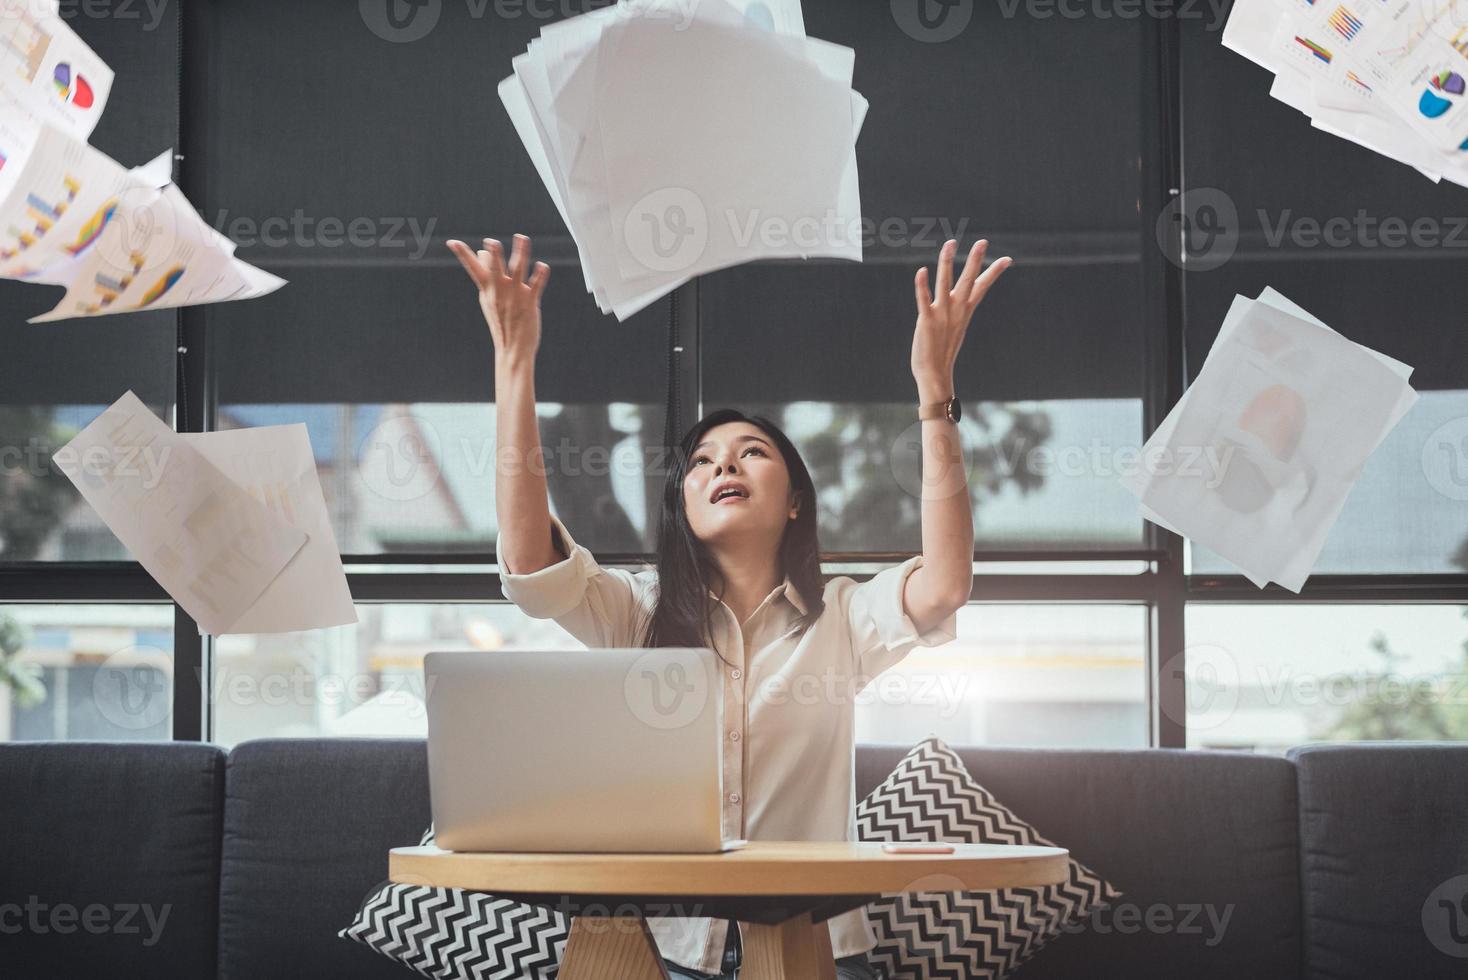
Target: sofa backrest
x,y
173,860
111,859
1202,845
1384,848
307,827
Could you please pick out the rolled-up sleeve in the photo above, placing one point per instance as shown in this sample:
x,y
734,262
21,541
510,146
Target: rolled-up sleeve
x,y
601,607
882,632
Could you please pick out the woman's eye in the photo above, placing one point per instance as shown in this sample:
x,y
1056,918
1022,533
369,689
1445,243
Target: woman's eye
x,y
705,459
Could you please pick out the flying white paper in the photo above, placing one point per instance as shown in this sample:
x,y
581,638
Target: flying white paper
x,y
1257,458
275,466
156,252
54,194
212,546
760,99
755,129
47,73
1387,74
120,240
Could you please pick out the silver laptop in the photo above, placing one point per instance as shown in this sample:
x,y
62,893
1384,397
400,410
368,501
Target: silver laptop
x,y
607,750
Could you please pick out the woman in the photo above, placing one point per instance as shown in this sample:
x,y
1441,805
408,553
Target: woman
x,y
737,546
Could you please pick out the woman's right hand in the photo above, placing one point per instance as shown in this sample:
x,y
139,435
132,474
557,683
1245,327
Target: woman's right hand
x,y
510,303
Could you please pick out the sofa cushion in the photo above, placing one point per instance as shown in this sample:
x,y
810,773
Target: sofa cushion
x,y
1202,845
453,934
938,933
1384,853
111,863
307,828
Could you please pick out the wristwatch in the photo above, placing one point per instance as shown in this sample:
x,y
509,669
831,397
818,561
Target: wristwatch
x,y
952,410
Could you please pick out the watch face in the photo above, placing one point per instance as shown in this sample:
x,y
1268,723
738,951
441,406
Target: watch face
x,y
955,409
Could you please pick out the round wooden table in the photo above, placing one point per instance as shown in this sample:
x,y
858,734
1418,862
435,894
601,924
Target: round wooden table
x,y
781,893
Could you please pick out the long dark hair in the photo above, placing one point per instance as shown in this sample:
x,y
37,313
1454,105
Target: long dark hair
x,y
682,615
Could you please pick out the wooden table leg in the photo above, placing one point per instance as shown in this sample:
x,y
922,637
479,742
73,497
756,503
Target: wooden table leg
x,y
796,949
611,947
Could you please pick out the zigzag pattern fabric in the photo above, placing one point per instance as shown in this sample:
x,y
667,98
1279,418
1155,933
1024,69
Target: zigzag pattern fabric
x,y
952,935
451,934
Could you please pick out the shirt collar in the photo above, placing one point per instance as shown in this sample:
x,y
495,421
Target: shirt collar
x,y
793,594
790,591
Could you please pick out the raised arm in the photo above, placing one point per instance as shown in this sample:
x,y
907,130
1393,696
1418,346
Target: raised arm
x,y
511,306
944,580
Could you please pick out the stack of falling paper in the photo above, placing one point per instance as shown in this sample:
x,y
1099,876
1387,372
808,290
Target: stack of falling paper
x,y
1387,74
1256,459
676,139
118,239
233,524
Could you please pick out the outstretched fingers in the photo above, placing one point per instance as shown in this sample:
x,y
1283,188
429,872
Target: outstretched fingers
x,y
945,268
473,264
971,267
494,254
920,288
538,279
519,258
991,275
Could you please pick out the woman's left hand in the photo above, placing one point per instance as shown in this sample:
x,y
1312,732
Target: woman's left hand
x,y
942,320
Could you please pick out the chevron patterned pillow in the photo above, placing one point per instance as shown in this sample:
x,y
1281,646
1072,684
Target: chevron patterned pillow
x,y
945,934
449,934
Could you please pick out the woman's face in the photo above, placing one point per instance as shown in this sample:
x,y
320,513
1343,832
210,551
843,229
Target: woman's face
x,y
742,455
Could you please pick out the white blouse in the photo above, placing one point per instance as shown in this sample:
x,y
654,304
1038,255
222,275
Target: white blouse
x,y
789,703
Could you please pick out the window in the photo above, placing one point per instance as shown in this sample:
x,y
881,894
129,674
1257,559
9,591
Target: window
x,y
377,343
419,478
1038,675
42,516
1057,137
1267,676
93,672
56,379
1261,207
357,680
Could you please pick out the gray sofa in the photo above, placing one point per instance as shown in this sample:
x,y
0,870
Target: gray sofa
x,y
182,860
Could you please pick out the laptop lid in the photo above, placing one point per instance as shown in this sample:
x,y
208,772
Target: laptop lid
x,y
607,750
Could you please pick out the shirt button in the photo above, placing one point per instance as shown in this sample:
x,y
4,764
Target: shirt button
x,y
733,736
733,797
736,673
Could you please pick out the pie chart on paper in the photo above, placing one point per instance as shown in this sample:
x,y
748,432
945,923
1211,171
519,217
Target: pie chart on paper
x,y
72,86
1443,90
